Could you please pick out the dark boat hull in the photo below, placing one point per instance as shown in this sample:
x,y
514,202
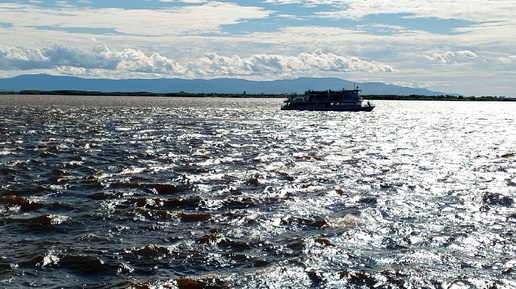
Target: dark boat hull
x,y
329,108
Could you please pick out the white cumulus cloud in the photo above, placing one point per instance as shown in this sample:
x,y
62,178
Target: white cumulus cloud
x,y
284,65
100,57
133,61
511,59
453,57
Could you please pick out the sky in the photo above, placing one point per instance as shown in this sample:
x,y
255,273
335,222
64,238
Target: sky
x,y
460,46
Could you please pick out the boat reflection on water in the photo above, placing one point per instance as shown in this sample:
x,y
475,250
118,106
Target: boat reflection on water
x,y
328,100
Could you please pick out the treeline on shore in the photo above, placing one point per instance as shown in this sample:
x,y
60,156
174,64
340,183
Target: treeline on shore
x,y
142,93
249,95
438,97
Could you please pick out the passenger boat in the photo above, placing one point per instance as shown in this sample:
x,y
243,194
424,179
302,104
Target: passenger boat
x,y
327,100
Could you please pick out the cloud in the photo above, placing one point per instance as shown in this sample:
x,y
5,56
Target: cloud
x,y
27,59
187,19
453,57
444,9
308,3
284,65
511,59
21,58
99,58
136,61
129,61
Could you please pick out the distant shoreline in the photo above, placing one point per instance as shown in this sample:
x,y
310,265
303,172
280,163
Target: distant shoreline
x,y
249,95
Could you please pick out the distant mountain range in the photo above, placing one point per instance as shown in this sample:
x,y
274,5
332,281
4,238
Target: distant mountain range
x,y
221,85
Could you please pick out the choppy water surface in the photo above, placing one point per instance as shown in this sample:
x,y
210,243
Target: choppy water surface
x,y
234,193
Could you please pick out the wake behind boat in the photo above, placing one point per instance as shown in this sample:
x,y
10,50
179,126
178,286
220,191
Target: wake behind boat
x,y
328,100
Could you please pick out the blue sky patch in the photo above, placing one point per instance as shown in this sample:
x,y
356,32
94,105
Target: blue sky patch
x,y
431,25
80,30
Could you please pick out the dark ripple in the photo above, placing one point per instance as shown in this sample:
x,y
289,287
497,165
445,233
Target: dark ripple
x,y
25,204
496,199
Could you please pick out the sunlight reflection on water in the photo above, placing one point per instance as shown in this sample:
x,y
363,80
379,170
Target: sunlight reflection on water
x,y
234,193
